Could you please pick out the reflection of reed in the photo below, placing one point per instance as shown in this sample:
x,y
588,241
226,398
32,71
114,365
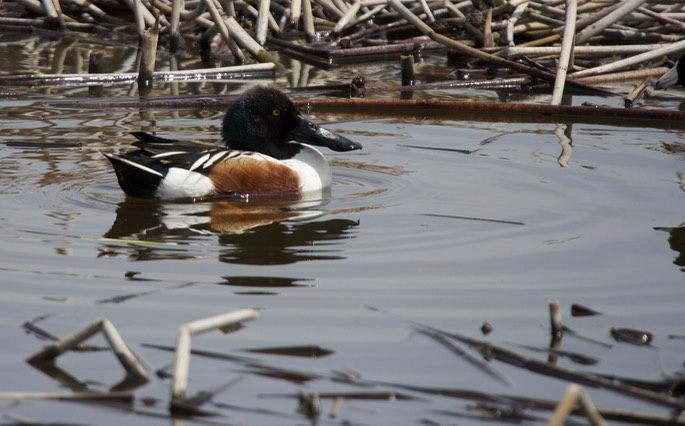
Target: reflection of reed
x,y
563,132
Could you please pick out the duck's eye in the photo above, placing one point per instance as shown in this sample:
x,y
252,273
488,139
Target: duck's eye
x,y
276,112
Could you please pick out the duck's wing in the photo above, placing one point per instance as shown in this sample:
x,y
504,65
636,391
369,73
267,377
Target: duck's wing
x,y
187,155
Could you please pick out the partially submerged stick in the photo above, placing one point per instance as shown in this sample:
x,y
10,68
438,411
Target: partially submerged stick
x,y
179,383
147,59
136,371
575,394
513,358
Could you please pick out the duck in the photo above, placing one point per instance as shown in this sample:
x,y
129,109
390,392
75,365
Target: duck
x,y
675,75
269,153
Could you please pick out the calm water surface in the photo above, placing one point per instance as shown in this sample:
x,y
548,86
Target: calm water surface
x,y
409,233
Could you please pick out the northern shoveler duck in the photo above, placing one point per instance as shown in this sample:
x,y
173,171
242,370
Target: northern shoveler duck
x,y
267,155
675,75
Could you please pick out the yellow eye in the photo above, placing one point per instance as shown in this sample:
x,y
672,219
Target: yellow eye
x,y
276,112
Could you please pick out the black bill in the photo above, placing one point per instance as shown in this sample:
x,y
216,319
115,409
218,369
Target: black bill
x,y
313,134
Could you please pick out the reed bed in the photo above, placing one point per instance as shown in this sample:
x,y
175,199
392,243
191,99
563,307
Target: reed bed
x,y
557,42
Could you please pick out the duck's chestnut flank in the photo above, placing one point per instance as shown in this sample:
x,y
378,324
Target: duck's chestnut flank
x,y
267,153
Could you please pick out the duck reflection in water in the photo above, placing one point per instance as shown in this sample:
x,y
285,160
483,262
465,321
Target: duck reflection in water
x,y
249,233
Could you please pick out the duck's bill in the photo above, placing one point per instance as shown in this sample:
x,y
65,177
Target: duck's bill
x,y
667,80
314,134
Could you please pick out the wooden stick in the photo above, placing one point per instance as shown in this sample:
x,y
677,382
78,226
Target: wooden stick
x,y
591,412
575,395
488,37
407,67
54,13
513,358
295,12
262,22
346,18
147,59
429,15
565,61
255,49
74,396
585,51
623,76
556,326
130,363
179,382
308,20
466,50
566,404
137,7
223,30
95,11
625,8
662,18
633,60
33,6
633,96
174,30
509,33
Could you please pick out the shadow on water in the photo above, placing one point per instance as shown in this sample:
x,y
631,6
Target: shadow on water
x,y
248,233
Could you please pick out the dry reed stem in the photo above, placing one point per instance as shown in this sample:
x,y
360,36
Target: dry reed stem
x,y
575,395
223,30
634,95
633,60
147,59
565,57
179,382
523,22
597,27
136,371
542,367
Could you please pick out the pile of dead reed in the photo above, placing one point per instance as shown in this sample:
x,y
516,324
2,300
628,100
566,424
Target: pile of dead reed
x,y
557,43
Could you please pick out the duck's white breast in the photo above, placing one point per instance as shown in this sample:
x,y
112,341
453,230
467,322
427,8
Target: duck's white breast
x,y
312,168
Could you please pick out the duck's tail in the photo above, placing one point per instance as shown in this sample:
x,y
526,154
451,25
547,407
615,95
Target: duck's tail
x,y
138,174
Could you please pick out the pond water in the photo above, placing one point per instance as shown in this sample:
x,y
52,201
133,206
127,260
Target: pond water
x,y
443,222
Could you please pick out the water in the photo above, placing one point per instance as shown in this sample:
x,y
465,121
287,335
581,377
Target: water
x,y
409,233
